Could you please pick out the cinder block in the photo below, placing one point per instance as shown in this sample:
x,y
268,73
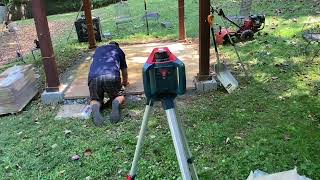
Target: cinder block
x,y
52,97
206,85
209,85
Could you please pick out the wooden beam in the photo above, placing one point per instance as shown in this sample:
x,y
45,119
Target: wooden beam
x,y
182,29
47,53
204,38
87,12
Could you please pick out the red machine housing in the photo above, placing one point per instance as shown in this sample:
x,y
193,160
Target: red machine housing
x,y
222,35
251,25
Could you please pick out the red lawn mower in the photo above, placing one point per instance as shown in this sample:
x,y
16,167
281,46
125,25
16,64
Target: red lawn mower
x,y
251,25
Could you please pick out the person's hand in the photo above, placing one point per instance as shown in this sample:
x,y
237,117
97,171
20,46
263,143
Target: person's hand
x,y
125,84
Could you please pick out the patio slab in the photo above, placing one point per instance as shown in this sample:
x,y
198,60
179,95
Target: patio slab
x,y
76,84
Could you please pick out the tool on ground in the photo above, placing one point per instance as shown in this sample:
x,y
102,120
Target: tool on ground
x,y
223,74
235,48
146,15
163,79
245,32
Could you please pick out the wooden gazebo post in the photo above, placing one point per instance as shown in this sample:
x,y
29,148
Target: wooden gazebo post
x,y
48,58
182,29
204,38
87,12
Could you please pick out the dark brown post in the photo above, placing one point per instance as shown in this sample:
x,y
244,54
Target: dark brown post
x,y
182,28
204,37
87,13
50,66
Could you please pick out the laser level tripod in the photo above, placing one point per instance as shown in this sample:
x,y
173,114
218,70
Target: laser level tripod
x,y
164,79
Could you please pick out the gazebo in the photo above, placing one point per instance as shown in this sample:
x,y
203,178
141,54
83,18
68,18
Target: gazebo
x,y
50,67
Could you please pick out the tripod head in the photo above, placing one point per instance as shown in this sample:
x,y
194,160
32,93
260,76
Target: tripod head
x,y
163,75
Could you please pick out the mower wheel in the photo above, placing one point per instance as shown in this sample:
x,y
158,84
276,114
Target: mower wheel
x,y
247,35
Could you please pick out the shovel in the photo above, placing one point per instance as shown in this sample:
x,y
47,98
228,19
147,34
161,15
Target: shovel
x,y
223,74
237,53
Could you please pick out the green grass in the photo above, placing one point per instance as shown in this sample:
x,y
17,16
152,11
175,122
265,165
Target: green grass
x,y
273,125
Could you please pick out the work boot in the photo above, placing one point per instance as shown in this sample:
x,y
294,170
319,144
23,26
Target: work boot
x,y
97,117
115,112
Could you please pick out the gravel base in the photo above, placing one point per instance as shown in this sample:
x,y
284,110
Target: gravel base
x,y
75,101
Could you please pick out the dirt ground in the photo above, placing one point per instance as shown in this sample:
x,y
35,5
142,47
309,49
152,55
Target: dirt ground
x,y
26,35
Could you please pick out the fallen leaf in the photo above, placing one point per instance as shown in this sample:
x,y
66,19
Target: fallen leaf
x,y
118,149
62,172
67,132
18,166
238,137
286,137
75,158
120,171
274,78
54,146
88,152
227,140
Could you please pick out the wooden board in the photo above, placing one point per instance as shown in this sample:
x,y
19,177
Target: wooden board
x,y
18,86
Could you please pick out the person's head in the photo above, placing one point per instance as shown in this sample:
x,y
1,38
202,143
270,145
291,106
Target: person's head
x,y
114,43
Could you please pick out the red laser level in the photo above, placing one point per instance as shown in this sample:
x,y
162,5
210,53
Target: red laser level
x,y
163,75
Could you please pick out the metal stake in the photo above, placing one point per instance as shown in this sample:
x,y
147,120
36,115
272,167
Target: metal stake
x,y
146,15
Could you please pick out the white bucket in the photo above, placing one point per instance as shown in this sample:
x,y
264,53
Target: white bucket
x,y
3,13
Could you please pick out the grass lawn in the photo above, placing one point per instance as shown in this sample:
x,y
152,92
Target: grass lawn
x,y
271,123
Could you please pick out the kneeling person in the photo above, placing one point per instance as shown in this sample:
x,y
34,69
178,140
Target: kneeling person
x,y
104,77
